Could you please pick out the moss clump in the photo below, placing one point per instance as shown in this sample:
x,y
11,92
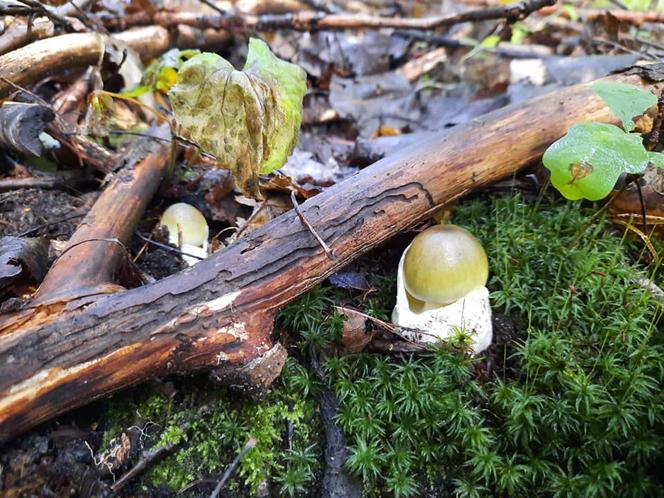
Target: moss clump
x,y
284,426
144,407
578,414
571,408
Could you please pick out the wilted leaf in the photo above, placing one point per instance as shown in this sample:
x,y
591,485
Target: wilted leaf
x,y
249,119
354,336
21,124
587,162
625,101
107,113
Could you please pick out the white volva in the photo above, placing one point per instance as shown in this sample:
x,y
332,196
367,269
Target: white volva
x,y
472,314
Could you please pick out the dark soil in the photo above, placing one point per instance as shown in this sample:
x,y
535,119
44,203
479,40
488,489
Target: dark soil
x,y
49,213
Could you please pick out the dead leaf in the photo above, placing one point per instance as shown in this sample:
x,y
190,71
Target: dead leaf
x,y
354,337
353,280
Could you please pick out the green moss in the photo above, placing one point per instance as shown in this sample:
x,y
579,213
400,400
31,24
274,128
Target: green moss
x,y
571,407
142,407
284,425
576,414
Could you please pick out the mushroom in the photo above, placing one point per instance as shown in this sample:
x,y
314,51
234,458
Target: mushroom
x,y
188,230
441,287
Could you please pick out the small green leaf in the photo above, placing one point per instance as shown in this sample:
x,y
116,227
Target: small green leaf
x,y
625,101
248,119
161,74
487,44
571,12
587,162
657,158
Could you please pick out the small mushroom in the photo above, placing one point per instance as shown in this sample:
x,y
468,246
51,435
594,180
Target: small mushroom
x,y
188,230
441,287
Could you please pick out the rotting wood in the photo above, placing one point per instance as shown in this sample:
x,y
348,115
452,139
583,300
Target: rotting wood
x,y
97,249
220,312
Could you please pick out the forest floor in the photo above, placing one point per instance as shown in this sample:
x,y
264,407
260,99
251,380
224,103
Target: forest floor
x,y
566,402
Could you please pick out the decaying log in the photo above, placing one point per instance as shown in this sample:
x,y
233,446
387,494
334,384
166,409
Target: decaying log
x,y
42,58
220,312
98,247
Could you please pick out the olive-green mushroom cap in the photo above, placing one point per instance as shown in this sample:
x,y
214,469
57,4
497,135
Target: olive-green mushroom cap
x,y
185,219
443,264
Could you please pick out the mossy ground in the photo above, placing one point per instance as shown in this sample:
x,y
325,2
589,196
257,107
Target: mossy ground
x,y
572,406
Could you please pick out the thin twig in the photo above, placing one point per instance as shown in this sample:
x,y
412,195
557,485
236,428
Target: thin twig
x,y
214,7
317,21
47,11
167,247
50,223
231,468
619,4
502,49
392,328
41,182
304,221
147,458
252,217
19,88
94,239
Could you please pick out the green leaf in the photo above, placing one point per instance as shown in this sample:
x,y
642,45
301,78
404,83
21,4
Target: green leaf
x,y
248,119
571,12
161,74
657,158
587,162
289,84
625,101
487,44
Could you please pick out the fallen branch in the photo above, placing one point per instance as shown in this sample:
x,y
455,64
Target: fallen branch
x,y
42,182
31,63
219,313
89,262
20,33
316,21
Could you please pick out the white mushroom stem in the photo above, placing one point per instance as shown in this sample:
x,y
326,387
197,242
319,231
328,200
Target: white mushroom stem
x,y
471,314
189,249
